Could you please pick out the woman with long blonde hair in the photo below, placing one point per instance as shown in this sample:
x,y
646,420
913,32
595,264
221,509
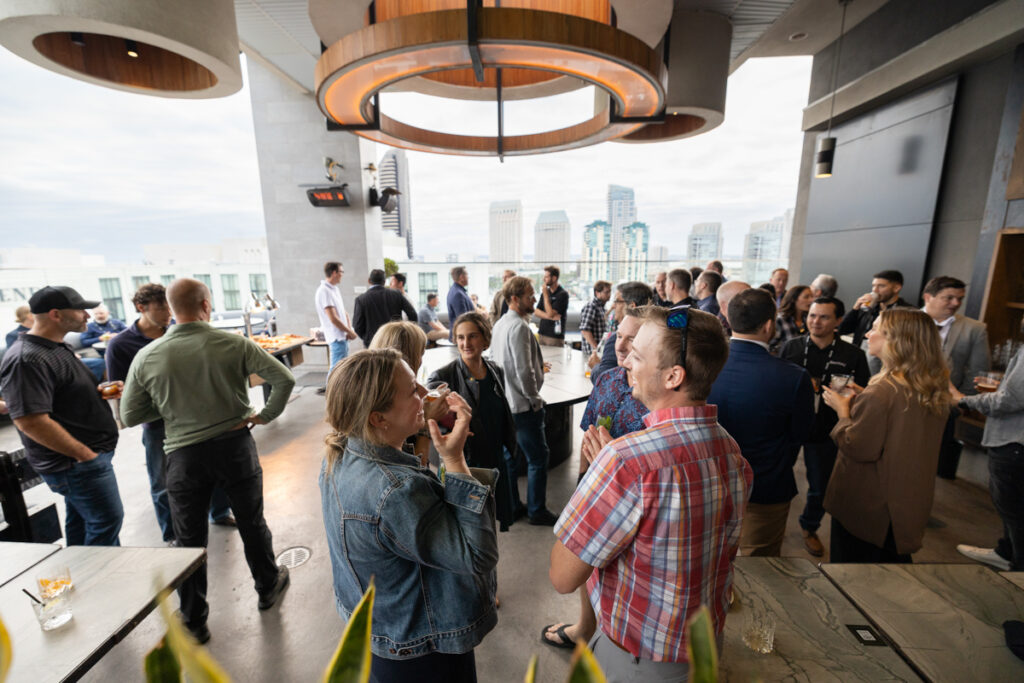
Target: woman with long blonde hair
x,y
888,436
428,545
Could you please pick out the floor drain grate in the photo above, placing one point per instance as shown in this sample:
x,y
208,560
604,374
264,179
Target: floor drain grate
x,y
293,557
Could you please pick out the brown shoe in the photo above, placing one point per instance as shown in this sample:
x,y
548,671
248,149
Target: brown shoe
x,y
813,544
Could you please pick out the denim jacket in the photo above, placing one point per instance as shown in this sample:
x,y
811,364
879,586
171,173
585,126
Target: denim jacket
x,y
430,548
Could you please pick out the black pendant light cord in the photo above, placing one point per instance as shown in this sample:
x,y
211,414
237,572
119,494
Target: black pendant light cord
x,y
835,65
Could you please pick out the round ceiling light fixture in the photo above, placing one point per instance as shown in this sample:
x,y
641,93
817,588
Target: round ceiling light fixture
x,y
185,49
352,71
697,49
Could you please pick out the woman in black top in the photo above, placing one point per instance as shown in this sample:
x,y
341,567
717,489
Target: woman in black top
x,y
482,384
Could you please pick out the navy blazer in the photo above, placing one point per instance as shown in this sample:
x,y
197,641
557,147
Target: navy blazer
x,y
767,405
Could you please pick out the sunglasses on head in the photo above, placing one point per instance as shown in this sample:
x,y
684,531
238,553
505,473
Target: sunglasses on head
x,y
679,319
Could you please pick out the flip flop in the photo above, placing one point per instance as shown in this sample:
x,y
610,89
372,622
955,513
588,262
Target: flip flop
x,y
564,641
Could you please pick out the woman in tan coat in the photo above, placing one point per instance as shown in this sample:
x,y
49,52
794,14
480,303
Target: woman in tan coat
x,y
888,435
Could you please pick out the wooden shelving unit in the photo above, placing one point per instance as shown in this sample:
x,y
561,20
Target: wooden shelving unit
x,y
1004,294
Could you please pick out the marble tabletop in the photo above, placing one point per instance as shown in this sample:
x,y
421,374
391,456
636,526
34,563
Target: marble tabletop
x,y
812,641
946,619
16,558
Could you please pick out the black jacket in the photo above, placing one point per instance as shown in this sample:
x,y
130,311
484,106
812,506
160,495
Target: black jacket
x,y
859,321
456,374
377,306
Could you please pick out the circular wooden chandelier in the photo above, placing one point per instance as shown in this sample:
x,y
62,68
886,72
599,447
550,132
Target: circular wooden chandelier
x,y
353,71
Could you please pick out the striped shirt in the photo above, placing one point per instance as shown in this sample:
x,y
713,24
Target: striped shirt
x,y
658,514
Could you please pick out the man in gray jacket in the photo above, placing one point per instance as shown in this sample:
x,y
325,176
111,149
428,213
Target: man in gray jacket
x,y
517,351
965,346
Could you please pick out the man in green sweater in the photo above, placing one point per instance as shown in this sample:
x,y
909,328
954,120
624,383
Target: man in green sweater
x,y
196,379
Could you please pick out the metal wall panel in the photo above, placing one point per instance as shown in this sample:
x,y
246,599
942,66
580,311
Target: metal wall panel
x,y
877,210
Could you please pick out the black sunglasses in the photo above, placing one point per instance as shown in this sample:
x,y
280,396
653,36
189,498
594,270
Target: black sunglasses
x,y
679,319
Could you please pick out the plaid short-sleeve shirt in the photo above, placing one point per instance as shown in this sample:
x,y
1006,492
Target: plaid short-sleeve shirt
x,y
592,318
658,514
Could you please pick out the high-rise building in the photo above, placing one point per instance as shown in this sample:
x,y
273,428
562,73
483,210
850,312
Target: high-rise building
x,y
635,240
506,234
657,259
621,212
597,251
766,247
393,171
704,243
551,238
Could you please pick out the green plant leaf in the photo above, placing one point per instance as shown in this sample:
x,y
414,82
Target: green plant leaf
x,y
351,661
196,661
584,668
161,665
6,653
700,645
531,671
604,421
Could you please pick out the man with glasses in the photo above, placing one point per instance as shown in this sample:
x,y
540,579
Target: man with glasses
x,y
767,405
658,512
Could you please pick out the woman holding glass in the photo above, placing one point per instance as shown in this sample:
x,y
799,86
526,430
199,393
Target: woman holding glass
x,y
888,436
429,547
482,384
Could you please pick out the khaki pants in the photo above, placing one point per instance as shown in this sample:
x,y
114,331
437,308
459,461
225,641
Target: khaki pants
x,y
764,527
550,341
434,335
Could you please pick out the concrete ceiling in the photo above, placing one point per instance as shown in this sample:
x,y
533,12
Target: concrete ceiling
x,y
281,34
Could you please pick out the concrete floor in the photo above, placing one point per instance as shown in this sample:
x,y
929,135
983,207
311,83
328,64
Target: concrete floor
x,y
295,640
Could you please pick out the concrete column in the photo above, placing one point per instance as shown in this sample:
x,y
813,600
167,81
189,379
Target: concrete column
x,y
291,141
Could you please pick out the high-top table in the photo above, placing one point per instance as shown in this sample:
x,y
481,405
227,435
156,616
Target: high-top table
x,y
114,589
565,385
945,619
17,558
813,641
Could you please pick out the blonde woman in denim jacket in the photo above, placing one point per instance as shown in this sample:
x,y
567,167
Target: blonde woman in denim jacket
x,y
429,546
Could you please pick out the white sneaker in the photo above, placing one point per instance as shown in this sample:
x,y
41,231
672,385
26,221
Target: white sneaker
x,y
985,555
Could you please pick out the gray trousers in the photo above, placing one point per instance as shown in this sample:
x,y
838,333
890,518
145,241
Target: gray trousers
x,y
621,667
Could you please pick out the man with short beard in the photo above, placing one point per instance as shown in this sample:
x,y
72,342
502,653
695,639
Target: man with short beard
x,y
516,350
67,428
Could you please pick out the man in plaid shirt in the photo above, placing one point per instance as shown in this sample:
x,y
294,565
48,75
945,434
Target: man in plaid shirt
x,y
654,526
593,320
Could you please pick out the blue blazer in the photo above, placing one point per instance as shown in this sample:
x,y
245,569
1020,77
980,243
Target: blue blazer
x,y
767,405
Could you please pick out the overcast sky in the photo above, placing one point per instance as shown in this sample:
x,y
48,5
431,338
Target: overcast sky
x,y
104,171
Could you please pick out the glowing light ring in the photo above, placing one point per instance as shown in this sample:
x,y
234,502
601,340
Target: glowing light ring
x,y
363,63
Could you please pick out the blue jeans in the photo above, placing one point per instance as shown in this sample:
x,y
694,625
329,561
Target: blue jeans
x,y
1006,484
534,445
91,501
339,352
819,458
153,441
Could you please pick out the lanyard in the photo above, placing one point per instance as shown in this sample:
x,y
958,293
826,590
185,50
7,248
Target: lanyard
x,y
831,350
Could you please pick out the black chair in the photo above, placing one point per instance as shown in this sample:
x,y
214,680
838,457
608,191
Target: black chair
x,y
38,525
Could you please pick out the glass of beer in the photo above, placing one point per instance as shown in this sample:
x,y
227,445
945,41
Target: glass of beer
x,y
988,382
435,390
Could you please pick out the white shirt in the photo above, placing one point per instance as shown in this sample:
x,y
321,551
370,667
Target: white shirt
x,y
328,295
944,326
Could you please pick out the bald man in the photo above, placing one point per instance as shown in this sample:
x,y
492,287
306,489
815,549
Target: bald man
x,y
196,378
724,295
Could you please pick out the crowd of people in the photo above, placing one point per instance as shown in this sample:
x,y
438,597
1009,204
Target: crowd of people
x,y
706,390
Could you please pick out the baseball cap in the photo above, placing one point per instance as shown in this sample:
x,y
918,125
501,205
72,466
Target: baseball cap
x,y
48,298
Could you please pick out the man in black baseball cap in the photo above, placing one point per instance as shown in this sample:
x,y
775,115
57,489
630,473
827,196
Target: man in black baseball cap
x,y
49,298
66,427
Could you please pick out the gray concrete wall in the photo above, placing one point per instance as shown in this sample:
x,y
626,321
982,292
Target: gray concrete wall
x,y
977,116
291,141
